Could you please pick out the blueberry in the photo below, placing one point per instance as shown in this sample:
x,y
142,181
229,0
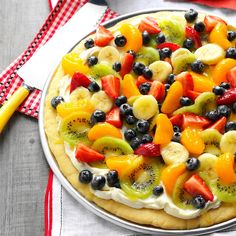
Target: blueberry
x,y
147,138
142,126
98,182
170,79
56,100
197,66
89,43
167,86
116,66
138,68
126,109
85,176
191,15
225,85
199,202
92,61
231,125
120,100
176,128
165,52
160,38
147,73
120,40
188,43
199,26
158,190
93,87
144,88
231,35
112,178
176,137
217,90
146,37
231,53
234,107
192,163
212,115
186,101
131,52
223,110
130,134
130,119
135,142
98,116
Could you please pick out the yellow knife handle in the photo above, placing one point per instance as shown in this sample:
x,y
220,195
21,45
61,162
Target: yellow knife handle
x,y
12,104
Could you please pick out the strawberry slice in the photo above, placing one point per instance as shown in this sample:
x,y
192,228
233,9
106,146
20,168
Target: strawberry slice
x,y
192,94
126,64
229,97
150,25
103,36
186,79
79,79
196,186
141,79
194,35
113,117
219,124
86,154
111,86
172,46
211,21
177,120
157,90
194,121
148,149
231,77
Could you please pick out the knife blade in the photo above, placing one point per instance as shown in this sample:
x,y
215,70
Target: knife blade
x,y
35,71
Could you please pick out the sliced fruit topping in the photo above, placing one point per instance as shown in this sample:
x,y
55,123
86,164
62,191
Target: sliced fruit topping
x,y
179,52
86,154
113,117
196,186
141,80
182,62
110,146
153,121
229,97
211,21
108,54
79,94
174,153
225,168
228,142
77,80
160,70
150,25
103,36
126,64
164,130
219,124
157,90
148,150
147,55
185,78
141,181
191,139
231,77
103,129
170,174
194,121
129,87
111,86
191,33
171,102
177,120
172,46
207,164
145,107
74,128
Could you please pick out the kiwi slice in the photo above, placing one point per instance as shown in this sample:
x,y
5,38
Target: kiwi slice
x,y
142,180
132,99
112,146
182,62
212,138
179,196
204,102
147,55
74,128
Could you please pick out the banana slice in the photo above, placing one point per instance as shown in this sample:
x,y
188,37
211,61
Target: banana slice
x,y
207,162
160,70
90,52
173,153
228,142
80,93
101,101
210,54
179,52
108,54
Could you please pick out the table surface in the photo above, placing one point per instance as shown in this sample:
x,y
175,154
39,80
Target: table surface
x,y
23,167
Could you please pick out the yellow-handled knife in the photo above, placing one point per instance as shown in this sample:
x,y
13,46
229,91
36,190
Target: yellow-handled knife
x,y
36,70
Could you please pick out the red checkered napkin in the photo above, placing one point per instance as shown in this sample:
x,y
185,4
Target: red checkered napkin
x,y
10,81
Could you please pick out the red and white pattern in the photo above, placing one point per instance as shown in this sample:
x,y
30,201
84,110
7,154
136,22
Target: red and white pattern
x,y
10,81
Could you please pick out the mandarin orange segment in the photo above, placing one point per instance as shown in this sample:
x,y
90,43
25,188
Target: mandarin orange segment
x,y
164,131
225,168
170,174
102,130
129,87
191,139
171,102
221,69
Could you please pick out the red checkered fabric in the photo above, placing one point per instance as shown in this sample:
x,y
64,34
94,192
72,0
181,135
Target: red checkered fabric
x,y
10,81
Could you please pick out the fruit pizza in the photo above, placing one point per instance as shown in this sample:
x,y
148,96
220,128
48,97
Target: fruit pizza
x,y
141,119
